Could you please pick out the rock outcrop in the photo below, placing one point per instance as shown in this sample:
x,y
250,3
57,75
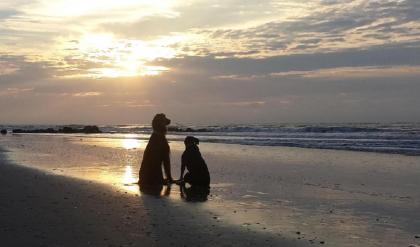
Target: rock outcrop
x,y
89,129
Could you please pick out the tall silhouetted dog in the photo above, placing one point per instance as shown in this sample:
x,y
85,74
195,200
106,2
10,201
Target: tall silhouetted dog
x,y
156,153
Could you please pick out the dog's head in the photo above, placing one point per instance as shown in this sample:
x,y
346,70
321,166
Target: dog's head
x,y
160,122
191,140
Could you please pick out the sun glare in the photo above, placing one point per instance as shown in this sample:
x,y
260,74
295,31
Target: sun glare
x,y
86,49
116,57
130,143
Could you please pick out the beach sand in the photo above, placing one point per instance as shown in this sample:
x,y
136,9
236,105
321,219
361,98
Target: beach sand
x,y
76,191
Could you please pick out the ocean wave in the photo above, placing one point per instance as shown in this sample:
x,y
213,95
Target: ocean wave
x,y
399,138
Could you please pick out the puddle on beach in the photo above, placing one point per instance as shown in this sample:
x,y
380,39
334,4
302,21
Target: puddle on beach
x,y
111,161
104,160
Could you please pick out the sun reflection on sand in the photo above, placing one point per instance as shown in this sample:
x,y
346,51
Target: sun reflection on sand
x,y
128,177
129,180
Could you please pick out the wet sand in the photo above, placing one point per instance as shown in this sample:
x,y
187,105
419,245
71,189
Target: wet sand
x,y
42,209
260,196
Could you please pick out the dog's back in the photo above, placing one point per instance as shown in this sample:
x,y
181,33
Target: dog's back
x,y
196,165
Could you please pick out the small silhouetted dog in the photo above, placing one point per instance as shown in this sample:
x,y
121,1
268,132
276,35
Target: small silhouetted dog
x,y
198,173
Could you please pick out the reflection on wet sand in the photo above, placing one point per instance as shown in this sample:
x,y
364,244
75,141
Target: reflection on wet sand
x,y
156,190
128,177
194,193
128,180
190,194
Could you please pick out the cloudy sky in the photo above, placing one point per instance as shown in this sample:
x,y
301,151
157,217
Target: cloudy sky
x,y
209,61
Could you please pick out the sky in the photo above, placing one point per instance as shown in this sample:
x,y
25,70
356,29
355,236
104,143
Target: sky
x,y
209,61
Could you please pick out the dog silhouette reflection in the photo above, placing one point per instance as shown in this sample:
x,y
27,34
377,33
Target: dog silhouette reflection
x,y
194,193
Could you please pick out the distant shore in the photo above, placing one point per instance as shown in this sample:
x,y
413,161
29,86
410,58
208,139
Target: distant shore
x,y
88,129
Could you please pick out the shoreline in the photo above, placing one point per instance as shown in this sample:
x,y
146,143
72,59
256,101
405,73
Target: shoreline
x,y
380,145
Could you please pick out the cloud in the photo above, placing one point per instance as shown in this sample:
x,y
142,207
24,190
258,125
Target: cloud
x,y
18,70
254,30
86,94
242,104
355,72
7,13
331,26
15,91
195,15
199,98
7,68
214,67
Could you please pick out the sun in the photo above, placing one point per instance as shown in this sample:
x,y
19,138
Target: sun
x,y
86,48
113,57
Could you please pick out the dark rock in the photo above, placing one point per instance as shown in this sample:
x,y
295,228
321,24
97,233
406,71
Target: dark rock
x,y
66,130
48,130
3,131
203,130
91,129
174,129
51,130
188,129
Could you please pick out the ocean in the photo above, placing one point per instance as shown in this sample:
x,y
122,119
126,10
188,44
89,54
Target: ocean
x,y
396,138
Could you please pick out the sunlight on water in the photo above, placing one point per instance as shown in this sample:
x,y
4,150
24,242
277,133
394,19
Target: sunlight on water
x,y
131,143
127,142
